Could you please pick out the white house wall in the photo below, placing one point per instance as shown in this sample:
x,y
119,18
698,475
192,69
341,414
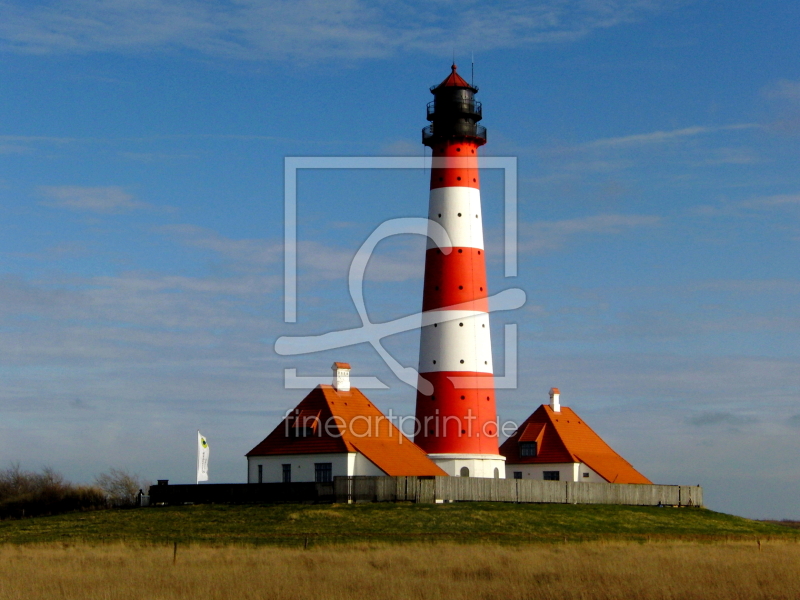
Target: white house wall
x,y
364,466
567,471
479,465
342,464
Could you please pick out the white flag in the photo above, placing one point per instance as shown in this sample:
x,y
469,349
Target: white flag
x,y
202,458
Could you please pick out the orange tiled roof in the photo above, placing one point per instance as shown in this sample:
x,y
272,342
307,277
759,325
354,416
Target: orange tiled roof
x,y
564,437
349,422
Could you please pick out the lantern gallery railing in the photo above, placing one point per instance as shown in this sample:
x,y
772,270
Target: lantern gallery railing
x,y
466,129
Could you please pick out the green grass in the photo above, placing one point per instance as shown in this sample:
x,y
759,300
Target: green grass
x,y
328,524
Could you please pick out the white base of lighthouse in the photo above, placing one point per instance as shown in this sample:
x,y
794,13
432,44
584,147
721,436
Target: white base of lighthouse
x,y
471,465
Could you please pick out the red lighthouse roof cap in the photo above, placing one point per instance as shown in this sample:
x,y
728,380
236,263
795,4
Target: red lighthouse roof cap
x,y
453,80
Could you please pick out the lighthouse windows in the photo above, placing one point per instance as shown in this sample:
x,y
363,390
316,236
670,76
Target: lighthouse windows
x,y
463,397
460,324
434,362
458,149
461,287
460,251
459,214
462,361
458,178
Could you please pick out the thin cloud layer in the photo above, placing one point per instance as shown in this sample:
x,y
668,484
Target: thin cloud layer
x,y
303,30
110,199
657,137
544,236
316,260
717,418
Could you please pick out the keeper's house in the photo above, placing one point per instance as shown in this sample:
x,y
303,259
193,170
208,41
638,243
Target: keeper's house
x,y
555,443
335,431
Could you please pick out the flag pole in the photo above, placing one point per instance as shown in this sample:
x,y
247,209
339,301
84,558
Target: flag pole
x,y
197,462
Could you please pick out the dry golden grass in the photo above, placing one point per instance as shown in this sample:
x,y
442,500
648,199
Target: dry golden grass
x,y
673,570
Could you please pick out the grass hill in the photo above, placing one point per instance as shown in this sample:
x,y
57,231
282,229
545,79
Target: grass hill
x,y
299,525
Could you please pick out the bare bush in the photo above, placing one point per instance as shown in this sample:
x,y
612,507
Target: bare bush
x,y
120,486
28,494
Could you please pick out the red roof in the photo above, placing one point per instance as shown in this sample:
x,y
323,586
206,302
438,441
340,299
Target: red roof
x,y
563,437
348,422
453,80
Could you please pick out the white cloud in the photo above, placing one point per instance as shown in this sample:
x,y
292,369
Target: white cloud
x,y
743,207
718,418
245,253
315,259
778,200
304,29
751,286
658,137
544,236
110,199
783,89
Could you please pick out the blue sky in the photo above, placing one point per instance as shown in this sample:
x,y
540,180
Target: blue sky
x,y
142,148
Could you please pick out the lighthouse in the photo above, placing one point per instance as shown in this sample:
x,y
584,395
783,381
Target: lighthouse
x,y
457,422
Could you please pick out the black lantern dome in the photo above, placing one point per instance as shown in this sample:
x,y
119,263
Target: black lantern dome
x,y
454,112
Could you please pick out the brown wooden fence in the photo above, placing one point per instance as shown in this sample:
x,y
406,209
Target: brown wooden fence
x,y
430,490
475,489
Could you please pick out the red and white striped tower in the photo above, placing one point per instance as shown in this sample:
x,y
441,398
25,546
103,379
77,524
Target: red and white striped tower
x,y
458,421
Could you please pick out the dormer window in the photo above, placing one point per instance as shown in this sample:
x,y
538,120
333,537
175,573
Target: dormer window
x,y
306,424
527,449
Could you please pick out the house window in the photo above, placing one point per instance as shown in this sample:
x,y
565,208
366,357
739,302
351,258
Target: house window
x,y
286,474
464,471
527,448
585,474
323,472
517,474
496,473
260,473
552,475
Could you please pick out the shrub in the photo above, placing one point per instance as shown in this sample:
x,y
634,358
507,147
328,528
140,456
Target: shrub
x,y
120,486
29,494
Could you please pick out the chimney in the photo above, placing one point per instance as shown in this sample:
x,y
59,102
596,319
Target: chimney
x,y
341,377
554,402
